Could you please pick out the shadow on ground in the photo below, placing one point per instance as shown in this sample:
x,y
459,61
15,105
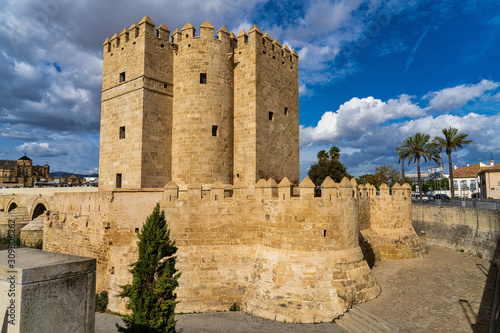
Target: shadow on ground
x,y
488,316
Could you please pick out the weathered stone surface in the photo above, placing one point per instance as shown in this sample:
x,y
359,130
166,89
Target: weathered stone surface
x,y
48,290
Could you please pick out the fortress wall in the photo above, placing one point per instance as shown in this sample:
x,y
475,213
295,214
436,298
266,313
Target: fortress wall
x,y
101,225
198,155
476,231
309,267
281,257
391,235
277,89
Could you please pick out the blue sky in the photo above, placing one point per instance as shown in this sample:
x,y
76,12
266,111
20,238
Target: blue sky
x,y
371,73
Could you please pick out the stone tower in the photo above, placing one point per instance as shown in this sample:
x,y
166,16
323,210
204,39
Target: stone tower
x,y
190,108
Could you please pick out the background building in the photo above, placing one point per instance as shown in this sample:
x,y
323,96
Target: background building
x,y
21,172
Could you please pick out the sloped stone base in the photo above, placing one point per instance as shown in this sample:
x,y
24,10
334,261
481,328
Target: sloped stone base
x,y
307,286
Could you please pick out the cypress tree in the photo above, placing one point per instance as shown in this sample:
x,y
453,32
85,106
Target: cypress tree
x,y
151,294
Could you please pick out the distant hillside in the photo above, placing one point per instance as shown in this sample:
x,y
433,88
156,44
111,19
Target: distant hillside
x,y
67,174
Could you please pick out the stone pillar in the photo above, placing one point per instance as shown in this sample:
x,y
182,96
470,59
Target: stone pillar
x,y
47,292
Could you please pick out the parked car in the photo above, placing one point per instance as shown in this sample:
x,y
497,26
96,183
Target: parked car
x,y
416,197
430,196
442,197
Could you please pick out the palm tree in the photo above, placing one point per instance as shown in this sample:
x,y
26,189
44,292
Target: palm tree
x,y
414,148
402,161
334,153
322,155
451,140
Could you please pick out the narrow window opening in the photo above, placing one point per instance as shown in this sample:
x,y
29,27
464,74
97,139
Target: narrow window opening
x,y
87,224
162,46
237,175
271,116
122,77
98,208
285,111
189,45
170,198
283,197
136,33
109,47
134,42
165,85
122,132
203,78
216,197
118,180
136,230
274,57
187,35
324,233
214,130
330,197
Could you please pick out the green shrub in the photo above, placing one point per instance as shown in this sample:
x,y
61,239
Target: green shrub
x,y
151,295
101,301
234,307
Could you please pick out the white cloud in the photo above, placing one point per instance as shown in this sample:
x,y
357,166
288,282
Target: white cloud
x,y
456,97
38,149
358,117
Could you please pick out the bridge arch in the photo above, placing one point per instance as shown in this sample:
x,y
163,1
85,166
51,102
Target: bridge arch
x,y
11,206
38,207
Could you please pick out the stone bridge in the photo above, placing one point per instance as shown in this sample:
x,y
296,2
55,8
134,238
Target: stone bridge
x,y
27,207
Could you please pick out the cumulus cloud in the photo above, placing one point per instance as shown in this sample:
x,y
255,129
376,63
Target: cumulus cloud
x,y
456,97
371,128
42,149
358,117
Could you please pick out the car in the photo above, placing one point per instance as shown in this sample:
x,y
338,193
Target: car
x,y
416,197
430,196
441,196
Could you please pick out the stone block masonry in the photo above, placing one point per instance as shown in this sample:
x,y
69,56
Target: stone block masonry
x,y
190,108
281,257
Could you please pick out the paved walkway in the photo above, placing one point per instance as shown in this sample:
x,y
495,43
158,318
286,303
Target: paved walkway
x,y
442,292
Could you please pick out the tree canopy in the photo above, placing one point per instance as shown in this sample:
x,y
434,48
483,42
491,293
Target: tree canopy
x,y
384,174
328,167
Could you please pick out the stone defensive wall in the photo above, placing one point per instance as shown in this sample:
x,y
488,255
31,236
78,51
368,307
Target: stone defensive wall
x,y
476,231
280,253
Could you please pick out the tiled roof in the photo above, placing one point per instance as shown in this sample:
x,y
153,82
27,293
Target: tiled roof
x,y
24,158
473,170
8,163
495,168
470,171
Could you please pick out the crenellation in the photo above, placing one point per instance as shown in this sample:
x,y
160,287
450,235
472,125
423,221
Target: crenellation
x,y
306,189
242,38
188,31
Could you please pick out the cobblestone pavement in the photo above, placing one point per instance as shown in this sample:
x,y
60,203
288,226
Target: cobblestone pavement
x,y
442,292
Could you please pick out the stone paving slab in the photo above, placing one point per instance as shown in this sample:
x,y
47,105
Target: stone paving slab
x,y
224,322
442,292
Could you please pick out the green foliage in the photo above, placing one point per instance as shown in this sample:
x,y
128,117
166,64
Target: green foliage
x,y
4,238
101,301
416,147
384,174
333,168
234,307
334,153
451,140
322,155
151,294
